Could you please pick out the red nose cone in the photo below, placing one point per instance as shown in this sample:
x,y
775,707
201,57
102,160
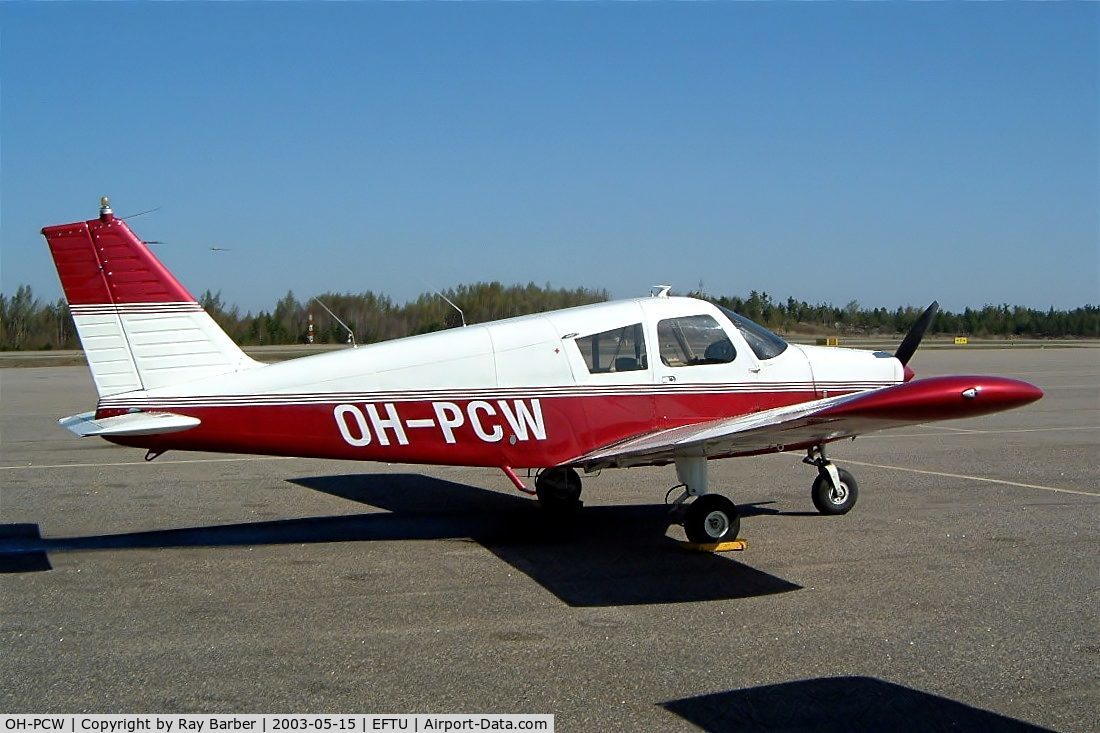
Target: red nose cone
x,y
909,373
1002,392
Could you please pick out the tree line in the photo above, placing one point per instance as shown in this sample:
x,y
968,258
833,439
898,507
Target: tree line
x,y
28,323
798,316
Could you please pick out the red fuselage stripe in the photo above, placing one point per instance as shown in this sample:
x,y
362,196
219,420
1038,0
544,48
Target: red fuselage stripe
x,y
508,430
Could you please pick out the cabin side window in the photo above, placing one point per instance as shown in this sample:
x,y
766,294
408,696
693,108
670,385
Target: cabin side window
x,y
694,340
617,350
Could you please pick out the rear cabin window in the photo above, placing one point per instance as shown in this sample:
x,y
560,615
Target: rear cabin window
x,y
694,340
617,350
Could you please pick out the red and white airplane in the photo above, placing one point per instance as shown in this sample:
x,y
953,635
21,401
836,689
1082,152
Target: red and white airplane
x,y
648,381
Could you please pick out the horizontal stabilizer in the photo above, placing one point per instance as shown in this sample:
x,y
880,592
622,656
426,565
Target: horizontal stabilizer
x,y
134,423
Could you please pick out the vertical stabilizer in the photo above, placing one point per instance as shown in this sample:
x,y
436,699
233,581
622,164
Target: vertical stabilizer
x,y
139,327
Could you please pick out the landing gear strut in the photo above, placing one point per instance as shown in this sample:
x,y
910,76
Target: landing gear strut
x,y
710,518
835,490
559,491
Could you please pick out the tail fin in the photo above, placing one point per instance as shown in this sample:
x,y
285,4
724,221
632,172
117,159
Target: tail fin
x,y
139,327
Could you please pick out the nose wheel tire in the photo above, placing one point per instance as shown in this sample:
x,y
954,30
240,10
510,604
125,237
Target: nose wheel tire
x,y
559,491
840,500
711,518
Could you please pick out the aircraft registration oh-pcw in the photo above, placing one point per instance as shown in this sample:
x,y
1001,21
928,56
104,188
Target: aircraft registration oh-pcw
x,y
649,381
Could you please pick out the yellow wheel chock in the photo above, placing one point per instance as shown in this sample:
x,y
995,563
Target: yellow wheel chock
x,y
727,546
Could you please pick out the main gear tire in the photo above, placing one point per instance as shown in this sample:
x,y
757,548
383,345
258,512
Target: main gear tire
x,y
559,491
710,519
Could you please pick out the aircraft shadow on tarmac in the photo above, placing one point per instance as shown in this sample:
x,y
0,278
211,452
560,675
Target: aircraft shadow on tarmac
x,y
607,556
838,704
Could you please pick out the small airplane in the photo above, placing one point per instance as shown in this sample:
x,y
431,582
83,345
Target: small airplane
x,y
648,381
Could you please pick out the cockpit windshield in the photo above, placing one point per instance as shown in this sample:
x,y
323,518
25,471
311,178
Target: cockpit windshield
x,y
764,343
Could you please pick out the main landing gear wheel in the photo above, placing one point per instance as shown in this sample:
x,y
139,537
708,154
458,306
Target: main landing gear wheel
x,y
839,500
559,491
711,518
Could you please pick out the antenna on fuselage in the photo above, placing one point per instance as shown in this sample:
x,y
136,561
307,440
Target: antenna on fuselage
x,y
450,302
351,334
461,315
659,291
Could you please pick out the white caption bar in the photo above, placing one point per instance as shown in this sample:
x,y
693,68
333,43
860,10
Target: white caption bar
x,y
66,723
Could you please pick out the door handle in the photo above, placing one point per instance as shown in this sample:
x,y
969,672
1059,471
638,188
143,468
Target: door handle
x,y
670,378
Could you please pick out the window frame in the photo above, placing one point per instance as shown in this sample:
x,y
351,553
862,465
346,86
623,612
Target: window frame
x,y
688,350
591,357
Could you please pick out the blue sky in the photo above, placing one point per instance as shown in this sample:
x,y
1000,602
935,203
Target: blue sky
x,y
885,153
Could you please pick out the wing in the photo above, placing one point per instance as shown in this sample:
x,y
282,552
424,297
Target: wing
x,y
819,421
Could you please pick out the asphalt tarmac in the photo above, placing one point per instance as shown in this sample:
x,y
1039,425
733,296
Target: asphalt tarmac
x,y
961,593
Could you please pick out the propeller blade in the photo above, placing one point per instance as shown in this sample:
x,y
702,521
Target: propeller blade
x,y
912,339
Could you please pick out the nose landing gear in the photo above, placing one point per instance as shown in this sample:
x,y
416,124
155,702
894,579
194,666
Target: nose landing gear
x,y
835,490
